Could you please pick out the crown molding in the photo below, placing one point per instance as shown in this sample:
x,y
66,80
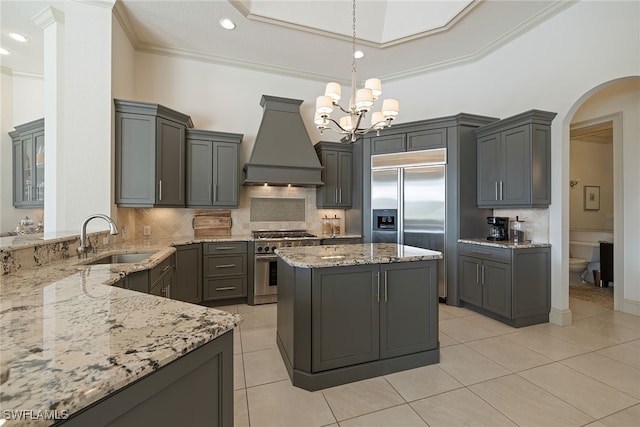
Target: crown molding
x,y
121,15
47,16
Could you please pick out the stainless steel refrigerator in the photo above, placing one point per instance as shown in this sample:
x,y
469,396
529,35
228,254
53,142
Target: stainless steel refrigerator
x,y
408,190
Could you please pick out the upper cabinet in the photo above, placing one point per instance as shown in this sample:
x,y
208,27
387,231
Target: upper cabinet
x,y
28,164
514,161
337,160
150,155
213,169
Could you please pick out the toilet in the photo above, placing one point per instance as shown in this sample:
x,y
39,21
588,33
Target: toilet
x,y
584,257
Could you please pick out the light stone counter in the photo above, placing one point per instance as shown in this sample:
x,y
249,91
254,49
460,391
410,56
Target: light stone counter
x,y
508,244
357,254
68,340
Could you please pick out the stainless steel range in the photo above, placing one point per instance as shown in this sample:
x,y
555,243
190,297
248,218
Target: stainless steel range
x,y
265,260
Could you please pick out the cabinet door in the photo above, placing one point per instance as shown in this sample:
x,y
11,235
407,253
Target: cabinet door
x,y
426,140
408,308
225,174
170,163
327,195
496,288
470,286
489,174
389,144
17,174
187,285
135,159
515,158
345,189
199,173
38,158
345,316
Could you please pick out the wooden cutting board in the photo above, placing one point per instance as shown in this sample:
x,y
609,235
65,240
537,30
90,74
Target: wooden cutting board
x,y
212,223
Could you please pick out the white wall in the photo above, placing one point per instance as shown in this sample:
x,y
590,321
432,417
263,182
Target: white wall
x,y
21,101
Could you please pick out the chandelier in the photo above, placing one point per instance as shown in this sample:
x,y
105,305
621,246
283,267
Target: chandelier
x,y
361,102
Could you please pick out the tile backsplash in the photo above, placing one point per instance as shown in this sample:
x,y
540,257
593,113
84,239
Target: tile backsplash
x,y
536,222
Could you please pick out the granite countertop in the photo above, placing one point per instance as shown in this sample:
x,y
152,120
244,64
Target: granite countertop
x,y
68,340
357,254
505,243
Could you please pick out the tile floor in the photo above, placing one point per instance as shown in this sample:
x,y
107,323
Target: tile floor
x,y
586,374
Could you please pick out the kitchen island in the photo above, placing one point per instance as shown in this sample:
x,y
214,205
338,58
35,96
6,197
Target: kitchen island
x,y
73,348
349,312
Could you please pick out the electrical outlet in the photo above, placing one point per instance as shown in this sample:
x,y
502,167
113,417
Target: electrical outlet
x,y
147,230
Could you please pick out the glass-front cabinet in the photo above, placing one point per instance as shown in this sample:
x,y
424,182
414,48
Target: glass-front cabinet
x,y
28,164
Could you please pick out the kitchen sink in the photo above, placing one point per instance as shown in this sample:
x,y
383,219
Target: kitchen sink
x,y
121,258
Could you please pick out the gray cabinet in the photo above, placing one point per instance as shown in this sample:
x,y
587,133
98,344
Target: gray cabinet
x,y
338,324
514,161
28,164
337,160
213,169
389,143
512,285
224,270
155,281
187,283
150,155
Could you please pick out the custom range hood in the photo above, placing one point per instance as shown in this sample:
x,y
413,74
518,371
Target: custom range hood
x,y
282,153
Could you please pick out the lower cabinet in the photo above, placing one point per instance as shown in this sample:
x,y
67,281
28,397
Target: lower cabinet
x,y
342,324
187,285
156,281
509,284
224,270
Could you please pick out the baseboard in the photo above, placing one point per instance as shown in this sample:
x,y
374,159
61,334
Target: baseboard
x,y
631,307
560,317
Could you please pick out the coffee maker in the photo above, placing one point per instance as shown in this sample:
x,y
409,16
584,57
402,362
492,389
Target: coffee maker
x,y
498,228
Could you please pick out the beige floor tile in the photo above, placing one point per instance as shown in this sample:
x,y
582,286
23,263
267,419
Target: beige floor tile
x,y
627,353
240,409
468,366
509,354
626,418
422,382
622,319
362,397
584,335
238,372
280,404
264,366
527,404
255,339
464,330
229,308
258,316
459,408
545,344
595,424
588,395
237,341
446,340
498,328
453,311
398,416
599,326
611,372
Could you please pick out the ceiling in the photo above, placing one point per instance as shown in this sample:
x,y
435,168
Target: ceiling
x,y
302,38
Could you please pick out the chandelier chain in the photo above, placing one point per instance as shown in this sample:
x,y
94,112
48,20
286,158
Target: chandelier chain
x,y
353,58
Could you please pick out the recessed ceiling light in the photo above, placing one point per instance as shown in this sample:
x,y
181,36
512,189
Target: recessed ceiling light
x,y
4,51
227,24
358,54
18,37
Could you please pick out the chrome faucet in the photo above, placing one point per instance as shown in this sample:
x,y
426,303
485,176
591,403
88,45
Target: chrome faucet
x,y
85,245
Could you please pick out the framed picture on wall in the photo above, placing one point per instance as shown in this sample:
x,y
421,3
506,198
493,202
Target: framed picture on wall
x,y
591,198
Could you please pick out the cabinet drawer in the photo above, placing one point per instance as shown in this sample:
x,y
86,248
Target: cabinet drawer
x,y
225,265
228,287
486,252
160,269
220,248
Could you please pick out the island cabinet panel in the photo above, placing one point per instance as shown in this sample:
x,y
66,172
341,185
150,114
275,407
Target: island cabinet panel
x,y
196,390
508,284
345,313
188,276
408,322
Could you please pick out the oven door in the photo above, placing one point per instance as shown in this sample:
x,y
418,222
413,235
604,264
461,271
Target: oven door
x,y
265,279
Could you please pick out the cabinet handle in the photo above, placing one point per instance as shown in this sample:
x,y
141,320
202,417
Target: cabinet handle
x,y
225,265
160,190
483,275
477,273
335,195
385,286
166,268
228,288
496,190
168,290
215,192
501,193
224,248
378,291
210,192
